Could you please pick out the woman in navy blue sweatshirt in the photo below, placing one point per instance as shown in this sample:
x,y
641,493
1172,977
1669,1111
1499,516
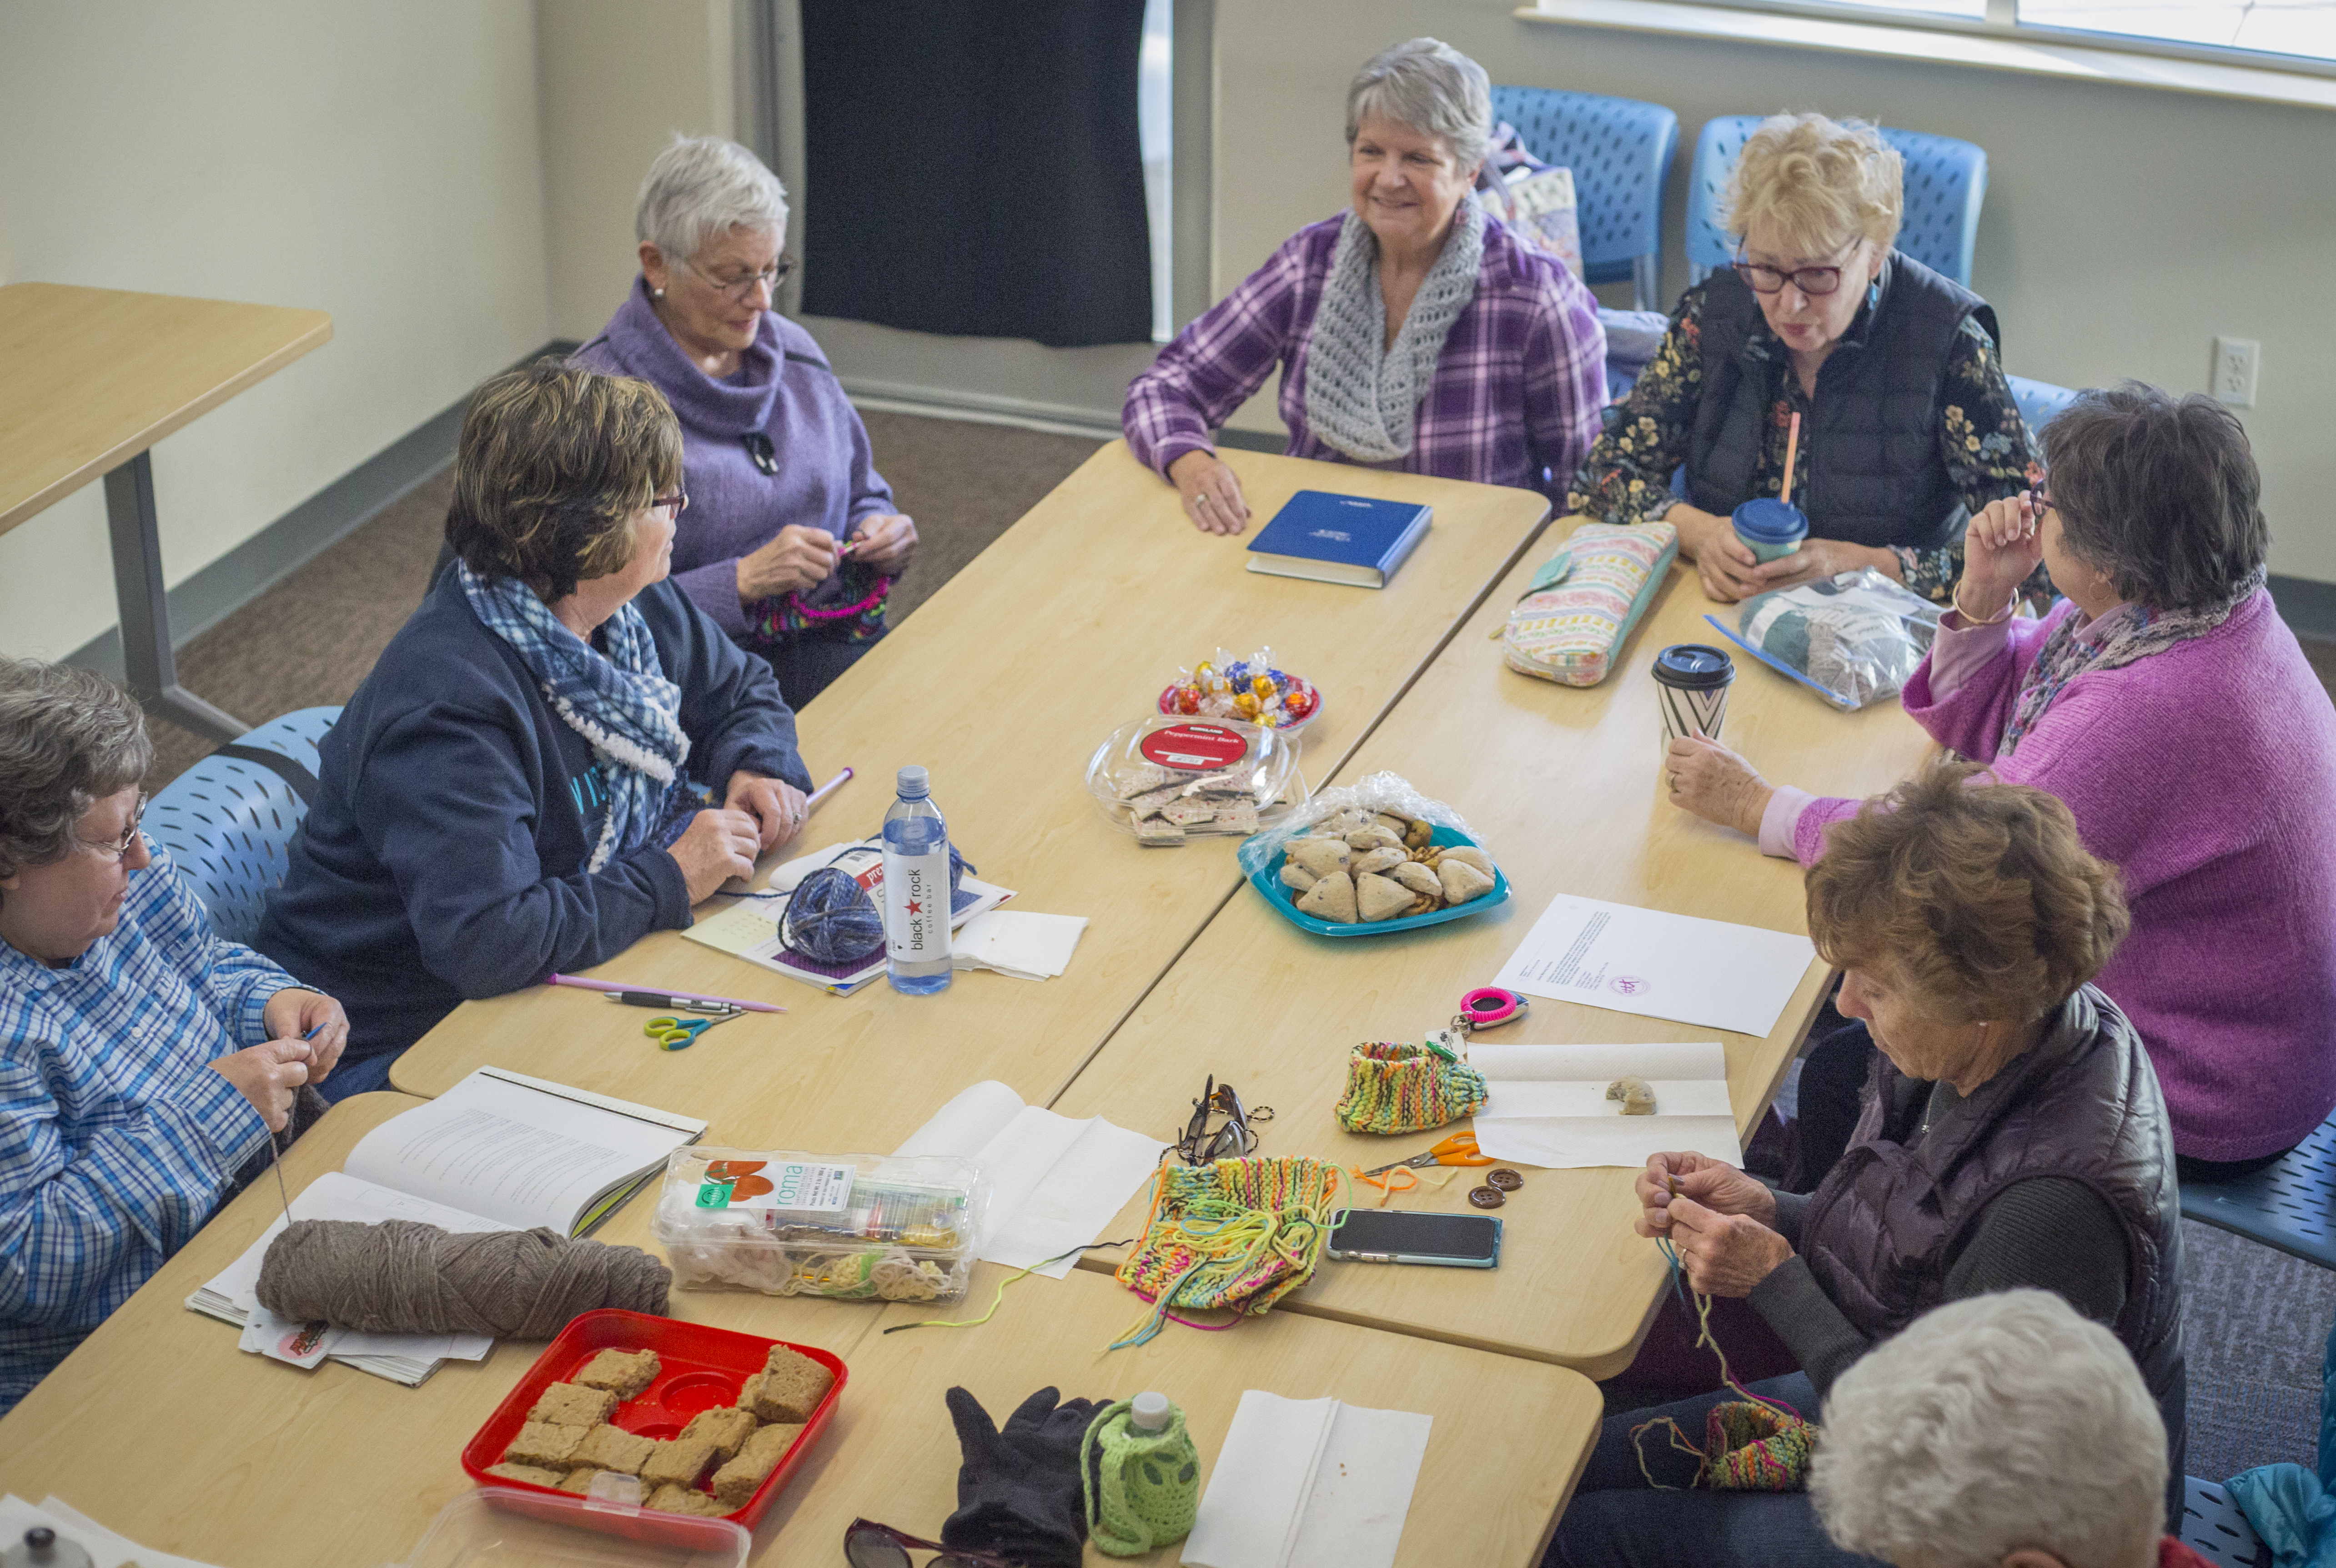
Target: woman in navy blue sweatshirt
x,y
515,789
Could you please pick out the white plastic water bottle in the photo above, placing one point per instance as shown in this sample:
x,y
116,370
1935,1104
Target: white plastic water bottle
x,y
916,889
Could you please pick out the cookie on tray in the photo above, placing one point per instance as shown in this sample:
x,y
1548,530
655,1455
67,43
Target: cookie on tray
x,y
791,1388
736,1483
624,1373
683,1500
607,1447
573,1405
533,1474
726,1426
545,1445
677,1462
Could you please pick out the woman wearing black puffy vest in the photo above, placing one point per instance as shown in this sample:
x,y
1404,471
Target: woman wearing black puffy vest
x,y
1907,425
2012,1137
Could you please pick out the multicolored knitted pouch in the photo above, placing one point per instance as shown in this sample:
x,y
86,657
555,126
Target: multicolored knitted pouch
x,y
1750,1444
1237,1235
1582,604
1393,1089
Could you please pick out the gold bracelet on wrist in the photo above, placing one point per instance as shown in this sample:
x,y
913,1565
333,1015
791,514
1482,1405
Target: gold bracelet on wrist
x,y
1956,600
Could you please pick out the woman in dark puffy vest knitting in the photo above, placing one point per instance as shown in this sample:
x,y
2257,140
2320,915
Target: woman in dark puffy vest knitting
x,y
2012,1136
1907,425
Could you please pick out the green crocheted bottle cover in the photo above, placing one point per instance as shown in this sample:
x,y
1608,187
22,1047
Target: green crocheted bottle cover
x,y
1147,1488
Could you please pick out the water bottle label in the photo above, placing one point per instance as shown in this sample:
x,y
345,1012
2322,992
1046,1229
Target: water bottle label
x,y
917,906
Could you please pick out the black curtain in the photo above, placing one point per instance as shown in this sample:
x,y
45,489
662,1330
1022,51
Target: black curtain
x,y
974,168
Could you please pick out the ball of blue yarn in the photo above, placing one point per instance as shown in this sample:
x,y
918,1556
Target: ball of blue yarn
x,y
831,920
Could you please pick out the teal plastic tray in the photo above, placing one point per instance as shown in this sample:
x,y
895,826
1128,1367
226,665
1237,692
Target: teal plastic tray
x,y
1268,882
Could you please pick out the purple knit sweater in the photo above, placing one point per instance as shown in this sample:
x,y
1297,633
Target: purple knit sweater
x,y
2207,774
826,477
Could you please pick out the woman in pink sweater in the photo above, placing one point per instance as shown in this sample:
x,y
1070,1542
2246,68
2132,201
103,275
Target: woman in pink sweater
x,y
2169,706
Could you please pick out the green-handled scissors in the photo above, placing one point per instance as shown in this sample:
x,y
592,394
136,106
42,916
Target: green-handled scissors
x,y
672,1033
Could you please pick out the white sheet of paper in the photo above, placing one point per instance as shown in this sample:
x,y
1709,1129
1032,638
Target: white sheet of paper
x,y
1709,973
105,1549
1055,1183
1308,1484
1027,945
1546,1104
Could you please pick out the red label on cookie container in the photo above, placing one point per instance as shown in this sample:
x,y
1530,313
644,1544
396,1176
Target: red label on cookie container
x,y
1194,746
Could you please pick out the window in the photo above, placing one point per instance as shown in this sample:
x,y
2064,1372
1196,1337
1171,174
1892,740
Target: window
x,y
2301,27
1156,126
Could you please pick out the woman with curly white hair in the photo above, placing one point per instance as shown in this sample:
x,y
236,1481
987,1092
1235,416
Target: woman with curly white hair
x,y
2002,1432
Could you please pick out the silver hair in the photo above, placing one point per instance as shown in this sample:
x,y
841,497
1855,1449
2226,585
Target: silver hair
x,y
2003,1422
699,189
1431,87
68,740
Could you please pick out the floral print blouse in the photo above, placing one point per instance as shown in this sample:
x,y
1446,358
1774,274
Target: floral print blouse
x,y
1985,444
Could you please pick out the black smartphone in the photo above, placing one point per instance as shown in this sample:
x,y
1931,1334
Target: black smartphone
x,y
1415,1236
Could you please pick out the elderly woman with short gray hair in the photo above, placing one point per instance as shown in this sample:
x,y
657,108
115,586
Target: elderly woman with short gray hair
x,y
792,541
2003,1432
1413,332
144,1062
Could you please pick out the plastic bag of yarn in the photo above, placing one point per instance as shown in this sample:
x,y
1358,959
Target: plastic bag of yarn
x,y
1398,1088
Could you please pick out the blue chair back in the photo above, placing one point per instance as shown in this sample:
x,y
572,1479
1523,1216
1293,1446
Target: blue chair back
x,y
2039,401
1946,183
2289,1205
1620,152
229,821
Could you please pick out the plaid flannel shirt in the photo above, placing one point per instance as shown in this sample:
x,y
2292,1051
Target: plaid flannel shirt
x,y
1517,391
116,1138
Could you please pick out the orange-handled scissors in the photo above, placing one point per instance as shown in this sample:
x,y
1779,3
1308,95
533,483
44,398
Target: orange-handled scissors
x,y
1459,1149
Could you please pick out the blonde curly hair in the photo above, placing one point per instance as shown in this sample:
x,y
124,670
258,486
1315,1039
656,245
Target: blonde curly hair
x,y
1817,179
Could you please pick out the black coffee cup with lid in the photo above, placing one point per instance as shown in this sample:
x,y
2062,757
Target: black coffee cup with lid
x,y
1691,682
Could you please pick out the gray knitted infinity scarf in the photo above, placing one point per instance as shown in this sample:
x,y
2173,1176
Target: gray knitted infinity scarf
x,y
1360,392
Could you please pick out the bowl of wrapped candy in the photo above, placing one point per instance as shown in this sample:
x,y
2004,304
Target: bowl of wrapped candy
x,y
1246,690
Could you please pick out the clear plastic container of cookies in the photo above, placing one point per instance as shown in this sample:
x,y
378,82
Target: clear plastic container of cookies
x,y
1166,779
508,1527
848,1227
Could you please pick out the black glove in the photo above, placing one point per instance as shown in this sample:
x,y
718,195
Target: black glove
x,y
1017,1492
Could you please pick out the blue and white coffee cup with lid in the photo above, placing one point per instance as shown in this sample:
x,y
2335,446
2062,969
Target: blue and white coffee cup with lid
x,y
1770,529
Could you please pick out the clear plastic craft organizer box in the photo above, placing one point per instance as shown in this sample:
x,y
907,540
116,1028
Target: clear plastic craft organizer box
x,y
852,1227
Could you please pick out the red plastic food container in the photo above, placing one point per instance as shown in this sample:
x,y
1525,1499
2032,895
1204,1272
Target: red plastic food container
x,y
701,1367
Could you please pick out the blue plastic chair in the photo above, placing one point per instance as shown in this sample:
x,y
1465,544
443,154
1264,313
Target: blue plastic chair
x,y
2039,401
1946,181
229,821
1620,152
2289,1205
2213,1526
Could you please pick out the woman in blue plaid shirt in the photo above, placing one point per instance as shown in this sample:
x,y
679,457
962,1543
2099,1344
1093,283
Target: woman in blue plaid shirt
x,y
146,1061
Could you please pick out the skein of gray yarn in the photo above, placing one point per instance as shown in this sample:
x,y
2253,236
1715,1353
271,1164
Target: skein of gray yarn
x,y
401,1277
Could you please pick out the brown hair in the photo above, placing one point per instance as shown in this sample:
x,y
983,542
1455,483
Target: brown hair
x,y
1979,898
2159,492
554,461
1817,179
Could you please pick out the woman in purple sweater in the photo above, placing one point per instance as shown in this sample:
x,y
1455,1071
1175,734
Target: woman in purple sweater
x,y
791,542
2169,706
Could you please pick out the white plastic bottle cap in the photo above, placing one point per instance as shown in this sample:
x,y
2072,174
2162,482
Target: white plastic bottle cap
x,y
1149,1412
915,783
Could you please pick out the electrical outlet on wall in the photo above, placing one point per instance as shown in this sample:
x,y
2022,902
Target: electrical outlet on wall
x,y
2235,363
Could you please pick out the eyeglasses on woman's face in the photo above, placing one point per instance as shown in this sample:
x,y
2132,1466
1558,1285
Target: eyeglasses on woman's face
x,y
677,503
735,286
868,1545
1814,281
112,850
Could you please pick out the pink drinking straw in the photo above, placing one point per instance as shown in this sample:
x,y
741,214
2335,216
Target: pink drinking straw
x,y
1792,450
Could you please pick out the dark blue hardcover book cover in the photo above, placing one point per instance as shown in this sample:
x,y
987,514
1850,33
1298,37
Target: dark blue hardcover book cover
x,y
1354,536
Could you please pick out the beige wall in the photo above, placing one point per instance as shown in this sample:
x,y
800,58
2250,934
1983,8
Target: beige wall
x,y
619,78
381,162
2125,229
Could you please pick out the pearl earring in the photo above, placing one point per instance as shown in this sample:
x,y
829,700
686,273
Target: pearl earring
x,y
656,293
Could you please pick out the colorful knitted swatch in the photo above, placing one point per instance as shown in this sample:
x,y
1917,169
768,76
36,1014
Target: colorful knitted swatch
x,y
1750,1445
1145,1491
1237,1234
1393,1089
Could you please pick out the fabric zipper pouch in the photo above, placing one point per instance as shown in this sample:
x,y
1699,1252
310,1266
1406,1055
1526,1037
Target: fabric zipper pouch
x,y
1584,602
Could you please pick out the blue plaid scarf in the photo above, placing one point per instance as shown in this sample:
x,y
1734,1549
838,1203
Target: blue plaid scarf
x,y
619,702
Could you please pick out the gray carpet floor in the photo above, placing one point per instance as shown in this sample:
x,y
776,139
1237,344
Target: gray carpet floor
x,y
2255,1318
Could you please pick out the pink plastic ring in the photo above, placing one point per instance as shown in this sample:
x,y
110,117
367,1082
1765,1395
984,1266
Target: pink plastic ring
x,y
1489,1005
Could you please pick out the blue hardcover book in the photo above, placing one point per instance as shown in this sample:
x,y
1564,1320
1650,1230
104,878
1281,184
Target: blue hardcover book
x,y
1348,539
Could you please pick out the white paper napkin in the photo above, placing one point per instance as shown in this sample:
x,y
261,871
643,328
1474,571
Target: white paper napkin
x,y
1308,1484
1030,947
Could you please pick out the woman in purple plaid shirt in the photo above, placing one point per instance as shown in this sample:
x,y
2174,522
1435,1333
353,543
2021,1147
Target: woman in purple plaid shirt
x,y
1412,331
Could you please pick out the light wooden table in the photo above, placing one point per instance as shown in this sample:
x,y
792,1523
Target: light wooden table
x,y
1004,684
90,380
1563,784
262,1465
1509,1440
